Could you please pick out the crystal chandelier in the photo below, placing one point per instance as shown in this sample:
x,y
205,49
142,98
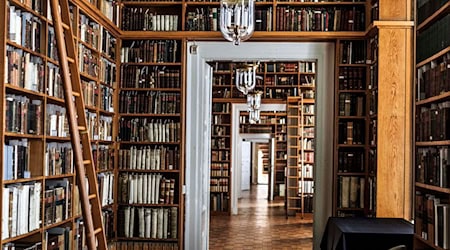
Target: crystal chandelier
x,y
237,20
254,105
245,77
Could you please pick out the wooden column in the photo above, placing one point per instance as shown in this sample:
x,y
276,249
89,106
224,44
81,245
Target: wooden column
x,y
395,112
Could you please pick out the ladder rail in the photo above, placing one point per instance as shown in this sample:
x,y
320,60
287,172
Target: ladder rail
x,y
91,208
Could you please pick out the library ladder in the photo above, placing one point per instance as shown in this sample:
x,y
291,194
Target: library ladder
x,y
85,170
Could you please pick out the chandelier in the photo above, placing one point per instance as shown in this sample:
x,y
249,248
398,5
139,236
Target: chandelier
x,y
237,21
245,80
254,105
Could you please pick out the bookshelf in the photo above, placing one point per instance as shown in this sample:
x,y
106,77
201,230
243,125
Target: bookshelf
x,y
36,152
432,105
150,143
355,140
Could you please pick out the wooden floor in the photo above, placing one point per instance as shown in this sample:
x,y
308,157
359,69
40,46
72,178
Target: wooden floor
x,y
260,225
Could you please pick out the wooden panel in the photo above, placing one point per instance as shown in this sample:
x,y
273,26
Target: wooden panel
x,y
394,120
395,10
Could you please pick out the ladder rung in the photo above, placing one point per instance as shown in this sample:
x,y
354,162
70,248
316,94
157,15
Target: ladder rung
x,y
65,26
77,94
70,59
98,230
87,162
82,128
92,196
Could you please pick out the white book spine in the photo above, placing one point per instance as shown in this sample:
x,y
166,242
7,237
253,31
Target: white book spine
x,y
159,233
145,188
5,213
141,212
154,222
165,223
148,219
139,189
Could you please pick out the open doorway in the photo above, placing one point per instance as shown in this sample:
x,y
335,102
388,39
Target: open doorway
x,y
198,117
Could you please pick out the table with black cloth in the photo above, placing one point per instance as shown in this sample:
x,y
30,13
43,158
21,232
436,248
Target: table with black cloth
x,y
353,233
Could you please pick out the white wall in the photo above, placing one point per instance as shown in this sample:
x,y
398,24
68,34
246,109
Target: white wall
x,y
246,164
198,107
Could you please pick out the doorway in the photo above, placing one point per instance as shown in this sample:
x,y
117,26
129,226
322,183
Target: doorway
x,y
198,96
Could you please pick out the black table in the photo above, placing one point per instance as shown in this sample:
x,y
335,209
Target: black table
x,y
367,234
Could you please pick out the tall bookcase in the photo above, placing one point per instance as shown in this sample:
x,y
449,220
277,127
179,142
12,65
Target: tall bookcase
x,y
355,134
40,198
432,138
150,143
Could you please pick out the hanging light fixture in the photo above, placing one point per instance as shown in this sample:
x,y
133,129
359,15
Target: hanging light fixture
x,y
254,105
245,77
237,21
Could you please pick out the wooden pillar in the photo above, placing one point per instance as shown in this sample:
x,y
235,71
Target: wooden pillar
x,y
395,112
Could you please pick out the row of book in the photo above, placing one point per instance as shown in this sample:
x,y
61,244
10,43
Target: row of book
x,y
307,157
352,78
433,166
433,39
220,143
55,86
24,28
90,92
146,188
16,159
89,31
108,41
426,8
221,119
146,19
103,157
203,19
221,80
143,245
219,202
99,129
220,155
23,115
307,172
220,130
56,121
306,187
36,5
351,132
351,191
52,51
221,107
149,158
110,8
57,201
352,52
218,185
433,78
24,69
107,72
105,183
133,76
373,102
149,223
21,209
149,130
432,219
59,159
350,161
149,102
220,169
292,18
351,104
161,51
433,123
88,61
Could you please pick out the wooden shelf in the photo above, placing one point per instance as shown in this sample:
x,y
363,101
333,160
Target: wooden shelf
x,y
445,9
433,188
432,143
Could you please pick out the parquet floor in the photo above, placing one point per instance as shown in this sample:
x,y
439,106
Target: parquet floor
x,y
260,225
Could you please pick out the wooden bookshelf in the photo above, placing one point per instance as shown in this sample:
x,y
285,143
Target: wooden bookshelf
x,y
40,138
432,107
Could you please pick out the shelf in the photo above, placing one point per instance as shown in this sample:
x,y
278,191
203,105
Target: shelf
x,y
146,239
441,97
151,89
52,177
22,236
433,188
257,35
429,244
23,180
148,170
356,91
350,174
445,9
151,3
150,63
148,205
433,57
432,143
27,136
147,143
148,115
352,117
22,91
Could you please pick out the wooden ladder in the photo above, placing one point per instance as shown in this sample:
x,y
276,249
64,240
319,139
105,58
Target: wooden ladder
x,y
78,128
